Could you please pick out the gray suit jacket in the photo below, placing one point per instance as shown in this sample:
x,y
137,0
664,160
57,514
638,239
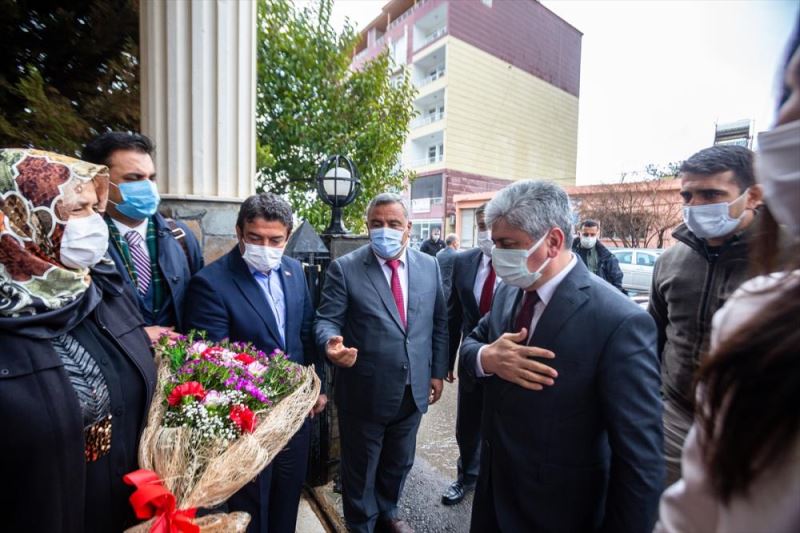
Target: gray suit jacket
x,y
357,304
585,454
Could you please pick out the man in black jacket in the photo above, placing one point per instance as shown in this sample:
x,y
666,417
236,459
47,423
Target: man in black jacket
x,y
595,256
434,244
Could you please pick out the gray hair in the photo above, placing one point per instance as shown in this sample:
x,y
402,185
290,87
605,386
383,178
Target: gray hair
x,y
385,198
451,239
534,207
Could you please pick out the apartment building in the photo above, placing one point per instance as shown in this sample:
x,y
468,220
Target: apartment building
x,y
498,84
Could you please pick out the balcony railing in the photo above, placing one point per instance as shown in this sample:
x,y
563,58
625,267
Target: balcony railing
x,y
431,78
426,161
427,119
406,14
428,39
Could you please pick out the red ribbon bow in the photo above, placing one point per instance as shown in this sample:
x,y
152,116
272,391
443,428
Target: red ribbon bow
x,y
151,499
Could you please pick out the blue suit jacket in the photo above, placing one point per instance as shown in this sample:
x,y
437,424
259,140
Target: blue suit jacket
x,y
177,270
357,304
226,302
585,454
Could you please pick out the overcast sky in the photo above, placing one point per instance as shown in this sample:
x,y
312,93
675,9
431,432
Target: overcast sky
x,y
657,75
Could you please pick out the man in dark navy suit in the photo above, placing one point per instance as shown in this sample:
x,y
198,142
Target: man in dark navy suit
x,y
256,294
473,285
572,437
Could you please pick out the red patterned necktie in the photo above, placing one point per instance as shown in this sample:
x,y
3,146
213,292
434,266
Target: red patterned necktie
x,y
525,313
487,292
397,290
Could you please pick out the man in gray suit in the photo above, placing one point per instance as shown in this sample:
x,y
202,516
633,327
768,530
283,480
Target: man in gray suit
x,y
382,320
572,437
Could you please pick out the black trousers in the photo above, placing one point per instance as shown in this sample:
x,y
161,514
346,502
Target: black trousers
x,y
273,497
376,458
469,409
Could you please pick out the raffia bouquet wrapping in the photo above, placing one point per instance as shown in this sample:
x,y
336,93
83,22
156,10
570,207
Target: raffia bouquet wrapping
x,y
221,415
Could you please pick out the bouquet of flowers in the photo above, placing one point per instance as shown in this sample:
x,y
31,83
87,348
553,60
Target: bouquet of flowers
x,y
224,411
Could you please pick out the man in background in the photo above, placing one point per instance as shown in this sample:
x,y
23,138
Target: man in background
x,y
596,256
445,259
433,244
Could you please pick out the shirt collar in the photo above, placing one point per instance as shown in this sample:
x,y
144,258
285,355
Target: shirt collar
x,y
402,258
258,273
547,290
140,228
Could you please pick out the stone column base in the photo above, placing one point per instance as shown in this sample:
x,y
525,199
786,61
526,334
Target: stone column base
x,y
212,220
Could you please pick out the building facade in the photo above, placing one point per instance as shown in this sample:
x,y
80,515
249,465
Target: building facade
x,y
498,84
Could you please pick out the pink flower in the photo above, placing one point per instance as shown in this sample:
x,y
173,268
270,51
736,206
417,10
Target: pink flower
x,y
256,368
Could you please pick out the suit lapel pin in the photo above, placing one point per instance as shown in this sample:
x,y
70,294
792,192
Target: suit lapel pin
x,y
287,272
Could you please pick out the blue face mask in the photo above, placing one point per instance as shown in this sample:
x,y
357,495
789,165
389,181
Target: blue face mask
x,y
386,242
140,199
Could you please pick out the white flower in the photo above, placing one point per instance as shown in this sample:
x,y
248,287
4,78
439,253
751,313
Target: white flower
x,y
197,348
214,398
256,368
227,356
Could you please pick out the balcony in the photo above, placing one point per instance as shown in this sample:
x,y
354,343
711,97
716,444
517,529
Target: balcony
x,y
436,34
425,161
431,27
431,78
427,119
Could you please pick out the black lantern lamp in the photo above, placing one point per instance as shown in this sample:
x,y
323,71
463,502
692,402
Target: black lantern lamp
x,y
337,185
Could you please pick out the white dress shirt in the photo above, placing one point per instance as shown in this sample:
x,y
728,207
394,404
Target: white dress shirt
x,y
545,293
402,273
141,229
480,278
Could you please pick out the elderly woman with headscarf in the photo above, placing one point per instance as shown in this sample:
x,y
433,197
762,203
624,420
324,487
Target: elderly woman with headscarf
x,y
76,367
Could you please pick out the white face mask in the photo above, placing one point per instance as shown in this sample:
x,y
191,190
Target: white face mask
x,y
711,221
262,258
778,170
485,242
588,242
512,265
84,242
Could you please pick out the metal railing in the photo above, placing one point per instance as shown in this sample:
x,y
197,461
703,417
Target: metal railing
x,y
426,161
427,119
431,78
434,35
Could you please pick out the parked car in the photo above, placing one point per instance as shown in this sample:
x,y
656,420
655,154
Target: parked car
x,y
637,266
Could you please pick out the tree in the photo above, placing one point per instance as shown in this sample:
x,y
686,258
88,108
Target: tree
x,y
637,214
310,105
68,71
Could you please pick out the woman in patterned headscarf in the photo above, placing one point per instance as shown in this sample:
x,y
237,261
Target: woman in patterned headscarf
x,y
76,369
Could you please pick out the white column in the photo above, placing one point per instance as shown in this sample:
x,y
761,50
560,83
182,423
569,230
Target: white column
x,y
198,76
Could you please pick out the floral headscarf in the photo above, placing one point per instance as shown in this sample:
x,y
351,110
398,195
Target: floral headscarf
x,y
36,191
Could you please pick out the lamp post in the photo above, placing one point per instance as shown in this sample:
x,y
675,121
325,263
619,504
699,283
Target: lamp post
x,y
337,185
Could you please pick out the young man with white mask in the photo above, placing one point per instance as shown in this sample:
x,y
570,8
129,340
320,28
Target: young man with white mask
x,y
474,283
693,278
382,320
571,403
258,295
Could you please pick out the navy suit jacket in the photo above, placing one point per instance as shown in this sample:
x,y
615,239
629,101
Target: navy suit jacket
x,y
226,302
585,454
462,308
357,304
176,268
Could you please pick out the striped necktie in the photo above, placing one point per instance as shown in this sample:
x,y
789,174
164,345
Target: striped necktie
x,y
141,261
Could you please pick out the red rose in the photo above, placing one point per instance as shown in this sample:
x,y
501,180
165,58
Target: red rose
x,y
190,388
244,359
243,417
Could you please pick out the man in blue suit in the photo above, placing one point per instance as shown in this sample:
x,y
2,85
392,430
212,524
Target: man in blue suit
x,y
382,320
575,444
256,294
156,256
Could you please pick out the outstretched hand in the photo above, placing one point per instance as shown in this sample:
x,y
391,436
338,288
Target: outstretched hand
x,y
339,354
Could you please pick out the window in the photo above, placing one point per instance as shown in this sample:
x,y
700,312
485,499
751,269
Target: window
x,y
467,228
427,187
625,258
431,154
645,259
